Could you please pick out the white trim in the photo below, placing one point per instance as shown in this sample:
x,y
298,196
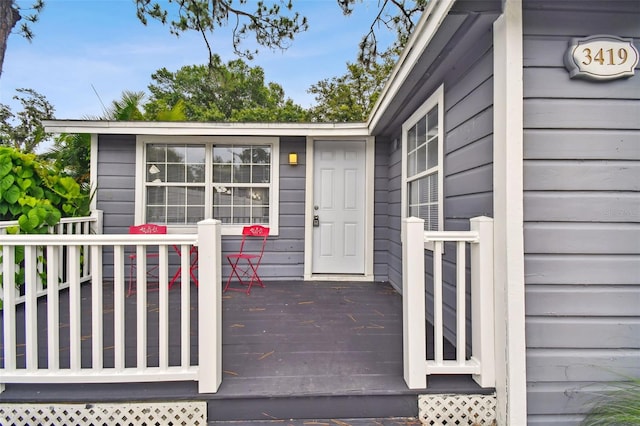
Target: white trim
x,y
508,123
436,99
274,202
369,212
329,130
431,20
93,171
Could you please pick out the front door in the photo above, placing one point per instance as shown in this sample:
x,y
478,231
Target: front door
x,y
339,207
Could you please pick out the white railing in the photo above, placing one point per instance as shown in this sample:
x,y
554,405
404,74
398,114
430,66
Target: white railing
x,y
67,226
209,371
481,362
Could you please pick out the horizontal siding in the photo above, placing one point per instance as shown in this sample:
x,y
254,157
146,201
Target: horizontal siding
x,y
582,238
582,269
542,175
593,300
580,144
582,366
581,212
581,206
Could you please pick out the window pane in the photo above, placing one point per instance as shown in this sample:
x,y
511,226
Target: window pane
x,y
176,154
260,196
195,173
176,196
411,164
156,214
242,214
156,195
432,155
421,131
156,173
176,172
195,214
262,155
195,154
242,174
195,196
432,122
222,154
176,214
421,157
411,139
261,174
156,153
222,173
223,214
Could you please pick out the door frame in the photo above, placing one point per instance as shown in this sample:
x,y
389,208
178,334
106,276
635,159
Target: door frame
x,y
369,178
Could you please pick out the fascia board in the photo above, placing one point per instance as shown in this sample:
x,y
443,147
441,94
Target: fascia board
x,y
206,129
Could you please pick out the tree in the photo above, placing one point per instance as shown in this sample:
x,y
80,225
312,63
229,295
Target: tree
x,y
10,16
351,97
400,16
222,92
271,26
24,130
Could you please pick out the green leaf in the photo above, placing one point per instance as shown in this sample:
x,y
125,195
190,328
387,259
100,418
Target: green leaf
x,y
15,209
6,182
12,194
28,222
25,183
5,165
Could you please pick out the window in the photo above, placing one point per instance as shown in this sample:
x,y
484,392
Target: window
x,y
422,163
186,180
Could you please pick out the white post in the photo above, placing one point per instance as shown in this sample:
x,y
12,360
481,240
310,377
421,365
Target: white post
x,y
209,306
482,312
413,305
97,226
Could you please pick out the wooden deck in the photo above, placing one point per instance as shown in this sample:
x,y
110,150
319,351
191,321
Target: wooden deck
x,y
293,350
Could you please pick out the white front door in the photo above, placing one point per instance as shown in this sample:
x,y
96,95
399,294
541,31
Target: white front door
x,y
339,207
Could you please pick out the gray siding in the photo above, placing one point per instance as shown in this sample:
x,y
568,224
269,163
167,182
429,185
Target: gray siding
x,y
582,217
468,158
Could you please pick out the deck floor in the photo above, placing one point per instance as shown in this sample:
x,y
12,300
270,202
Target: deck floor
x,y
287,340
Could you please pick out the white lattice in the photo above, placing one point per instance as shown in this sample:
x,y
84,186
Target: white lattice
x,y
446,410
148,414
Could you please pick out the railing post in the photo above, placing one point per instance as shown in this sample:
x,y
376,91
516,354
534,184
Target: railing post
x,y
413,304
209,306
482,307
97,226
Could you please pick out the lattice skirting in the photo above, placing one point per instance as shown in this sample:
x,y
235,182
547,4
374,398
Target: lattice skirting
x,y
148,414
447,410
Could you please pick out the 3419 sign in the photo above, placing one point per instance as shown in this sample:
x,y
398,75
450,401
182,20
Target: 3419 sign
x,y
601,57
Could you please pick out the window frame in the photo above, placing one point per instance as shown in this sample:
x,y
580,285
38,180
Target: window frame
x,y
436,99
208,141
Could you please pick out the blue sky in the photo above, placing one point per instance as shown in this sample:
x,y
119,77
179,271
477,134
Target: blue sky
x,y
80,45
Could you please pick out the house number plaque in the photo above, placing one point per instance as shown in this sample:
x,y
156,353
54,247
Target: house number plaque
x,y
601,57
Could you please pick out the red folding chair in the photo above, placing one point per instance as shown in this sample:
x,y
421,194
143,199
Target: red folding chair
x,y
244,264
152,270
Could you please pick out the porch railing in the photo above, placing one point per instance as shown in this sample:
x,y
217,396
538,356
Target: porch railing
x,y
67,226
417,243
208,372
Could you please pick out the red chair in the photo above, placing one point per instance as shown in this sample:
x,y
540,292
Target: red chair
x,y
152,271
244,264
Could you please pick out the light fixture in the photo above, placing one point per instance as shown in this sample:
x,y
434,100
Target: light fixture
x,y
293,158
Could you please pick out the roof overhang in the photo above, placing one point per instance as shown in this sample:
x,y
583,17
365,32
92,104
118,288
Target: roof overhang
x,y
206,129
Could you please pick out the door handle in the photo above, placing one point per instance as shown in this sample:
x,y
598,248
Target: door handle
x,y
316,220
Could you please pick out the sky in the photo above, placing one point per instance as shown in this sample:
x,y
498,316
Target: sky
x,y
85,53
